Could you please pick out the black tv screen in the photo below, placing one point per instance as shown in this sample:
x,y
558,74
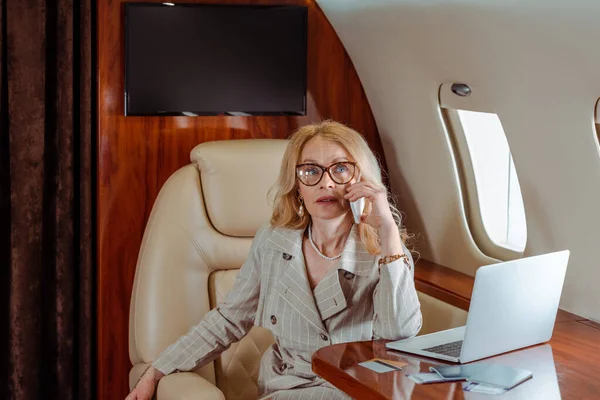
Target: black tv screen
x,y
199,59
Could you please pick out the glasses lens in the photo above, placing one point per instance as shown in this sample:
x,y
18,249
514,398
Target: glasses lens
x,y
309,174
341,172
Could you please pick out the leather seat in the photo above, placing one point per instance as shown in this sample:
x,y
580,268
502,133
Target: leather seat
x,y
196,239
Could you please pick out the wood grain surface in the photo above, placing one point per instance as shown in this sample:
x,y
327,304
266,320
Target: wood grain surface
x,y
566,367
443,283
136,155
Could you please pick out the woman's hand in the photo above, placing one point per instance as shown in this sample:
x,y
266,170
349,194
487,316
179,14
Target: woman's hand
x,y
144,389
380,214
380,217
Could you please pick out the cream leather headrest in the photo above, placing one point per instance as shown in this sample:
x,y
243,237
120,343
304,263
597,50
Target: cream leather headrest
x,y
235,176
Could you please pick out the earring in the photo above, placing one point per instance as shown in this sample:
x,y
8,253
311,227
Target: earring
x,y
301,209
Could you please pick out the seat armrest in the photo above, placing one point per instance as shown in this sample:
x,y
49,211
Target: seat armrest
x,y
187,386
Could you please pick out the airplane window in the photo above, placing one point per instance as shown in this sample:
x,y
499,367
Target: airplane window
x,y
489,182
496,184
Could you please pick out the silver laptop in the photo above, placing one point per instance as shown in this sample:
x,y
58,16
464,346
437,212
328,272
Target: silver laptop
x,y
513,305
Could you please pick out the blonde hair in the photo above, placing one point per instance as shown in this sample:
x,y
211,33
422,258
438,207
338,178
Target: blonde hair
x,y
284,193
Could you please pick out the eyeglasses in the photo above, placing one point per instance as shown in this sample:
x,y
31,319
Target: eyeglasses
x,y
340,172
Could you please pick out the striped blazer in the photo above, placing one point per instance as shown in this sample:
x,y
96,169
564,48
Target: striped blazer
x,y
355,301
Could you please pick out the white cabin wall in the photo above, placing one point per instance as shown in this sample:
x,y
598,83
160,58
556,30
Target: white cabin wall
x,y
538,64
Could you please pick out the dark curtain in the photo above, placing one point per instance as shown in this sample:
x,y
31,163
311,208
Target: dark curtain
x,y
46,214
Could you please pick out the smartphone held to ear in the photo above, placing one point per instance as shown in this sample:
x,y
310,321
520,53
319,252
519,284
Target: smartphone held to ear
x,y
357,207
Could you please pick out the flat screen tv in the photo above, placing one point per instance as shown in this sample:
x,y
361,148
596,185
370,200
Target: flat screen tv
x,y
200,59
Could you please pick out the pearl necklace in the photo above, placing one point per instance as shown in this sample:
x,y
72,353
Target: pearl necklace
x,y
315,247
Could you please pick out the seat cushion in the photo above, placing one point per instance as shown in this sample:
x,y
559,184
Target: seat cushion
x,y
236,176
238,367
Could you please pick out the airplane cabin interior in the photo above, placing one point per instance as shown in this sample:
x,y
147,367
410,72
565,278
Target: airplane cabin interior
x,y
143,158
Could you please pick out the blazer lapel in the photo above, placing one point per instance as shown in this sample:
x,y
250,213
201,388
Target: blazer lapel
x,y
329,295
293,286
355,260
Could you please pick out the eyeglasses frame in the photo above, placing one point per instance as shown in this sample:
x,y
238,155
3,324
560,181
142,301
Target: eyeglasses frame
x,y
326,169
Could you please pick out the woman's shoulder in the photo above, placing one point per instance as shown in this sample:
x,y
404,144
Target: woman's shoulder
x,y
263,234
267,230
275,235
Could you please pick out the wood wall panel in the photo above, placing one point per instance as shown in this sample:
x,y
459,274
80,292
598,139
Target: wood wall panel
x,y
444,284
136,155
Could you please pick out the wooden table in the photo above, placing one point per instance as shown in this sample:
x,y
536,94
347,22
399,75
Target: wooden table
x,y
567,367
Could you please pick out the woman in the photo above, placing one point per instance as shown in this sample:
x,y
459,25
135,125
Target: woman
x,y
313,277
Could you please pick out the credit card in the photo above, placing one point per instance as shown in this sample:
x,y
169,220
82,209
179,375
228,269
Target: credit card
x,y
380,365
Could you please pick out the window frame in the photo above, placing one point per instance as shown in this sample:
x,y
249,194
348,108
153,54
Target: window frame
x,y
596,124
468,187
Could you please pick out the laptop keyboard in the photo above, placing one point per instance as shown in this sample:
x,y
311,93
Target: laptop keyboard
x,y
451,349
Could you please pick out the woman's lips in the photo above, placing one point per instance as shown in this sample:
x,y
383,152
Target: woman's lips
x,y
326,199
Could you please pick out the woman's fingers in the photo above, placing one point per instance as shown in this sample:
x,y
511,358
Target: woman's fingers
x,y
357,194
363,191
364,185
